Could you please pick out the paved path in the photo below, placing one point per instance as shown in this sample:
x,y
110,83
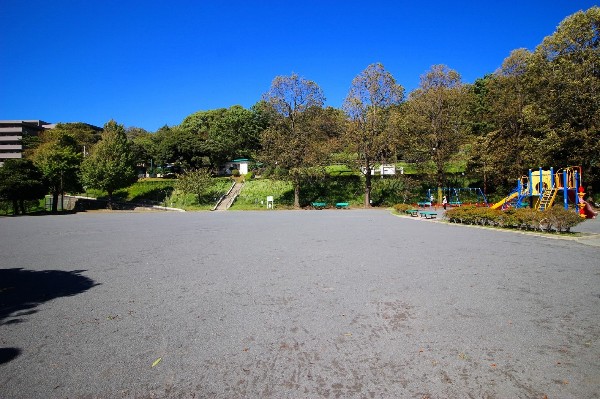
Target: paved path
x,y
293,304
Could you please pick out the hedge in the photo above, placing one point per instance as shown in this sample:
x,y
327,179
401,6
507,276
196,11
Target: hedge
x,y
555,219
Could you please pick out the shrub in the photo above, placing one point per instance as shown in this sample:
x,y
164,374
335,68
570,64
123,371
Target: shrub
x,y
249,176
561,219
235,172
556,218
402,208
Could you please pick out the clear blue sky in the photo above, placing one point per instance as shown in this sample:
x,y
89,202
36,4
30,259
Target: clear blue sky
x,y
150,63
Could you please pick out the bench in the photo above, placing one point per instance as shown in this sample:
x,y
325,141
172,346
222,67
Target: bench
x,y
319,205
455,203
342,205
428,215
423,204
412,212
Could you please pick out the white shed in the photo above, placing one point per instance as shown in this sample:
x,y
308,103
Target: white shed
x,y
240,164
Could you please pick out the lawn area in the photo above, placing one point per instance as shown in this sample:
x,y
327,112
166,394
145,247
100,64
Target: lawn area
x,y
255,191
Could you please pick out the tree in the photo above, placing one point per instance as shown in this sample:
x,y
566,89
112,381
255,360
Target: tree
x,y
510,136
142,146
178,146
20,181
374,92
289,142
226,133
565,75
194,182
436,118
110,165
59,160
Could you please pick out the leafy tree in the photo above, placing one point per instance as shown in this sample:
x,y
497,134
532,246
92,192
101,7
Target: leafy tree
x,y
194,182
291,142
226,133
59,159
565,73
374,92
20,181
511,136
179,146
142,145
436,115
110,165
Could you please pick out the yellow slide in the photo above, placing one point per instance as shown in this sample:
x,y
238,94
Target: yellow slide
x,y
504,201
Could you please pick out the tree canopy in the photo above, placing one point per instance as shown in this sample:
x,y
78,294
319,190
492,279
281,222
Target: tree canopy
x,y
110,164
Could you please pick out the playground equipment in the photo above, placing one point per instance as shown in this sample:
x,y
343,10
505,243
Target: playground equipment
x,y
462,195
539,190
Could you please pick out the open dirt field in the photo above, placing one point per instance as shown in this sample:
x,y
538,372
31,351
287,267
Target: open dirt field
x,y
293,304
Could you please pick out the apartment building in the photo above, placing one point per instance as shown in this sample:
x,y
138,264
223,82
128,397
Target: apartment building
x,y
12,133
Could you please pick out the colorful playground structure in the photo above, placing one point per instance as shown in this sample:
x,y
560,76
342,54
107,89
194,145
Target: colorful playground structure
x,y
458,196
539,189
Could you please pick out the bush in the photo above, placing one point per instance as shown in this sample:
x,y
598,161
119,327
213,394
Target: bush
x,y
561,219
235,172
402,208
555,218
249,176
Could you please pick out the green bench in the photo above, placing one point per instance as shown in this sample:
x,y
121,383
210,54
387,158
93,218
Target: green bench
x,y
428,214
342,205
412,212
319,205
455,203
424,203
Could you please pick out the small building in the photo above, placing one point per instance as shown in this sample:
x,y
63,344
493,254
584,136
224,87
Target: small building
x,y
242,165
382,170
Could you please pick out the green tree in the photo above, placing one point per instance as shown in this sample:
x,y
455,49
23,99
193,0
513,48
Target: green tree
x,y
178,146
437,118
565,74
194,182
59,159
110,165
226,133
20,181
374,92
509,146
290,142
142,147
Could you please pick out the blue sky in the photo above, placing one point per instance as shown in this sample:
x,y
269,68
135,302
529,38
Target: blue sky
x,y
150,63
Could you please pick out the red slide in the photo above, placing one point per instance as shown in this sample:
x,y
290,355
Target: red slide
x,y
589,212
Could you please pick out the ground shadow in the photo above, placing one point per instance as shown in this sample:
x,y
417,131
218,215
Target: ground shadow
x,y
22,290
8,354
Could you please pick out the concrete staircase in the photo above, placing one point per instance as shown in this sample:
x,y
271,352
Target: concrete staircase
x,y
227,200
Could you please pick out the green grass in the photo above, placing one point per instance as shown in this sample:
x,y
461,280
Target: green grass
x,y
189,202
144,190
258,190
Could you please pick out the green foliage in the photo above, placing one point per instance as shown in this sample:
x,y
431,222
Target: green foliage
x,y
333,189
110,165
402,208
257,190
393,190
21,181
373,93
560,219
554,219
194,182
215,188
59,161
226,133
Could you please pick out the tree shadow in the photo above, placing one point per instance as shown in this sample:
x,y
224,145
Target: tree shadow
x,y
21,290
8,354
